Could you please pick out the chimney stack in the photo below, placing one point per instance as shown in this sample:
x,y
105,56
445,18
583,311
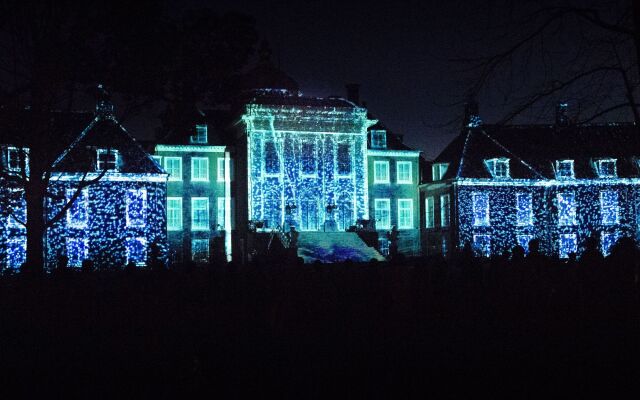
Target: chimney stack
x,y
561,114
471,114
353,93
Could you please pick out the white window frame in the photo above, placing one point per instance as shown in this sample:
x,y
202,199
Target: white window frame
x,y
178,225
438,170
199,137
116,155
571,219
401,209
85,256
615,207
445,212
199,161
476,242
566,235
85,196
12,221
559,175
17,151
407,180
194,200
380,224
429,212
173,177
207,246
486,219
139,239
220,169
385,167
601,173
529,208
145,204
492,167
378,139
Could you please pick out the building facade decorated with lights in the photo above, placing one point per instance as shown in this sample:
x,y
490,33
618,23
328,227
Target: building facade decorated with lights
x,y
495,187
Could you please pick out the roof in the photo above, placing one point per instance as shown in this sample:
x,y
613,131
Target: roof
x,y
395,141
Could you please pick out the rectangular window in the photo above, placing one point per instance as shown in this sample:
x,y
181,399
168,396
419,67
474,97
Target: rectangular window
x,y
404,172
482,245
200,250
378,139
78,213
200,137
77,251
606,168
309,159
382,209
381,172
567,244
344,159
566,209
438,170
136,207
607,241
137,250
199,214
383,245
173,167
405,213
498,167
220,166
17,159
16,251
481,209
429,212
445,210
220,220
199,169
271,158
18,209
523,241
174,213
564,169
107,159
524,211
609,207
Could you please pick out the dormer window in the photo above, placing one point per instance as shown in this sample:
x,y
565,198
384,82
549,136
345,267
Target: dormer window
x,y
606,168
564,169
378,139
498,167
200,136
15,157
438,170
107,159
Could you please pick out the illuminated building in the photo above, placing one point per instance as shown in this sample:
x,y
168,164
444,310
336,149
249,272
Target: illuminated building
x,y
497,186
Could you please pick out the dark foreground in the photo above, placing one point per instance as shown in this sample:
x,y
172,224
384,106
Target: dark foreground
x,y
523,328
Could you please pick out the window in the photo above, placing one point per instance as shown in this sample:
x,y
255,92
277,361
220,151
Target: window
x,y
173,166
567,244
405,213
445,210
429,212
200,136
220,167
309,159
137,250
271,158
383,245
136,207
381,172
564,169
438,170
382,209
566,209
524,212
199,214
498,167
16,251
220,220
16,157
482,245
607,241
403,170
18,209
523,241
609,207
78,213
77,251
174,213
199,169
344,159
200,250
107,159
481,209
378,139
606,168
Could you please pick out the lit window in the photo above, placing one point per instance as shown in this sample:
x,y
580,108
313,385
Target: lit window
x,y
606,168
498,167
17,159
220,168
77,251
309,159
383,245
438,170
137,250
344,159
221,212
173,166
136,207
403,169
564,169
378,139
482,245
381,172
524,211
199,169
16,251
200,250
200,136
567,244
18,209
199,214
523,241
382,209
566,209
405,213
78,213
107,159
271,158
445,210
481,209
608,240
429,212
174,213
609,207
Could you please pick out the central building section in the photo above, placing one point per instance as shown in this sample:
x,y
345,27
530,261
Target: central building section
x,y
306,160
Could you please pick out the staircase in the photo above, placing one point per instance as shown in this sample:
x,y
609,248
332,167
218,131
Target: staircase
x,y
335,247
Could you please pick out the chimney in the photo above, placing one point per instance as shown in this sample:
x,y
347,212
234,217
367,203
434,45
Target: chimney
x,y
561,114
104,106
471,115
353,93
